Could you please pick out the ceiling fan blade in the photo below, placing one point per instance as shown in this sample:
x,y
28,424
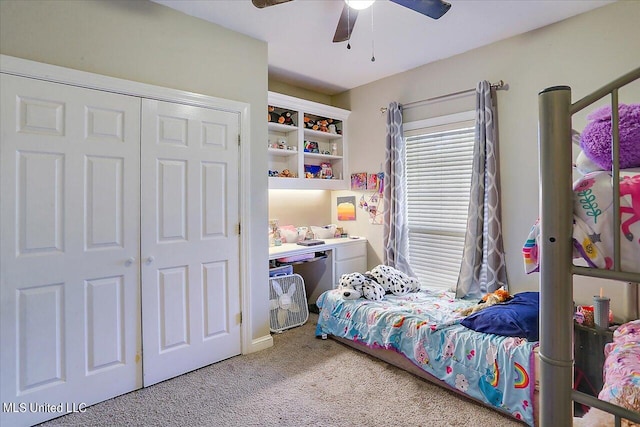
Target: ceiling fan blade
x,y
431,8
266,3
345,24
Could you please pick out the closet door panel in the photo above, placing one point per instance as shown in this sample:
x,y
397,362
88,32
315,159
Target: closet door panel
x,y
172,201
190,245
173,291
105,321
213,196
216,312
70,239
40,202
104,202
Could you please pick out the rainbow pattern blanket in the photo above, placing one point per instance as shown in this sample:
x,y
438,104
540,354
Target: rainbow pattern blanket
x,y
425,328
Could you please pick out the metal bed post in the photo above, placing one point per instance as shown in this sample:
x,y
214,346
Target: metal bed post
x,y
556,263
556,285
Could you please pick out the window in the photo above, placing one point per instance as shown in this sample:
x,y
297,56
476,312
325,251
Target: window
x,y
439,155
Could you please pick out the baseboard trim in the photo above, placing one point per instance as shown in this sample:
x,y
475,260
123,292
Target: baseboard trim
x,y
259,344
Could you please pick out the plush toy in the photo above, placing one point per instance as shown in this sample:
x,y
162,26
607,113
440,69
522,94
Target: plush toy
x,y
323,125
595,139
357,285
286,173
584,165
272,115
500,295
393,280
374,284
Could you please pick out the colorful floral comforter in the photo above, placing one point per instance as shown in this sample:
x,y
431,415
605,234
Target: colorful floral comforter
x,y
425,328
593,223
622,367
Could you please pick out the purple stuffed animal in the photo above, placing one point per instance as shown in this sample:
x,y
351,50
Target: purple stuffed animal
x,y
595,139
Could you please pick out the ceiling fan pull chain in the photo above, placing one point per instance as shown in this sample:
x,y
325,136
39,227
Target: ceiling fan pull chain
x,y
348,28
373,57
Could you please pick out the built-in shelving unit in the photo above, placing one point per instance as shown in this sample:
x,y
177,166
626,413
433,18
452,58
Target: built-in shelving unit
x,y
307,144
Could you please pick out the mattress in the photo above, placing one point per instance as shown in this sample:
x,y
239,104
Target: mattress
x,y
425,328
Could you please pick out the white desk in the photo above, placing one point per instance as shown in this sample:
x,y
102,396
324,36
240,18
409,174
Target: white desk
x,y
344,255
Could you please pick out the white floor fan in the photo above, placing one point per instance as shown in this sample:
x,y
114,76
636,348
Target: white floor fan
x,y
288,302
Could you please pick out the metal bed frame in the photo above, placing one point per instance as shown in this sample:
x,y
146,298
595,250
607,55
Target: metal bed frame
x,y
556,263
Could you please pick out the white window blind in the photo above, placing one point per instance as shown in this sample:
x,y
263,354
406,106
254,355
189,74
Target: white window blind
x,y
438,178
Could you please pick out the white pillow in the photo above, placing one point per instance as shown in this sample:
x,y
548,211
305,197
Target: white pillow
x,y
324,232
291,234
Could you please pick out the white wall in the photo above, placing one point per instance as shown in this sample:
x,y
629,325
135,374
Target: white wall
x,y
583,52
300,208
287,89
146,42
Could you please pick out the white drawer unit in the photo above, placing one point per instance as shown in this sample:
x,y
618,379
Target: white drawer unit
x,y
350,257
344,255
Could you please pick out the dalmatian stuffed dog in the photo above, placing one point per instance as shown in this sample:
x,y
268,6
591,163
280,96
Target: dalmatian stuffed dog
x,y
374,284
394,281
356,285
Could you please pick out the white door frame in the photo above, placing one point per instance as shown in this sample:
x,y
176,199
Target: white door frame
x,y
53,73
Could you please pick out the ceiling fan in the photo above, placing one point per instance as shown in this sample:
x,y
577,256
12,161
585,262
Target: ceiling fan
x,y
431,8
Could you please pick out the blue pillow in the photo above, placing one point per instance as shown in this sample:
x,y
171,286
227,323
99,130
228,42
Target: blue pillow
x,y
515,318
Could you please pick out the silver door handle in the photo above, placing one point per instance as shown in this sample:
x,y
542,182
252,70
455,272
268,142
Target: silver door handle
x,y
130,261
149,260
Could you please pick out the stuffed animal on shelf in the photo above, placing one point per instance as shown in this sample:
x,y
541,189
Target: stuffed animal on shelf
x,y
323,125
357,285
286,173
272,115
288,119
498,296
595,139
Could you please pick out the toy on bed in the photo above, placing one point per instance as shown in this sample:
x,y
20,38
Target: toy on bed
x,y
593,198
498,296
393,280
374,284
357,285
595,140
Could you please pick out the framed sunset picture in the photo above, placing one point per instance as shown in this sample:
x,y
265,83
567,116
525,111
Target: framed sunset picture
x,y
346,207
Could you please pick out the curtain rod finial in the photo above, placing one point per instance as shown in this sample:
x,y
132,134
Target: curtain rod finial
x,y
383,110
499,85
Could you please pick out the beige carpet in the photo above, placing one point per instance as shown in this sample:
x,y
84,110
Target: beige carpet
x,y
301,381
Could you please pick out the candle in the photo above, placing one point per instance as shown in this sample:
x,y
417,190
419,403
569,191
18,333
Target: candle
x,y
601,311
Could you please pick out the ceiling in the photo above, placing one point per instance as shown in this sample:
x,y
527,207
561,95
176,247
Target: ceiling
x,y
300,33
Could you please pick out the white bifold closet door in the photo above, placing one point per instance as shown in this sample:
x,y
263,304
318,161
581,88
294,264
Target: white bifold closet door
x,y
70,241
190,242
119,244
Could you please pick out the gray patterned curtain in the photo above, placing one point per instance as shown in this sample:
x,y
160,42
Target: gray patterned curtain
x,y
395,230
483,265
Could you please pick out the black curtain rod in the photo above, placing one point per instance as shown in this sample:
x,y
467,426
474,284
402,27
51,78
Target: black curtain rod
x,y
497,86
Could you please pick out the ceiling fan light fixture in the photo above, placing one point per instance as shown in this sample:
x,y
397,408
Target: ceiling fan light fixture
x,y
359,4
